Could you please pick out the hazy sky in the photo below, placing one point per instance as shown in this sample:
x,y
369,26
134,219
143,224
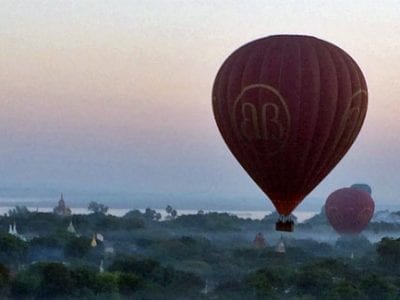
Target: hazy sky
x,y
116,95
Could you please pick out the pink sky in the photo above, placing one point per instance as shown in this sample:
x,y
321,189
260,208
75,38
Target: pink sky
x,y
117,95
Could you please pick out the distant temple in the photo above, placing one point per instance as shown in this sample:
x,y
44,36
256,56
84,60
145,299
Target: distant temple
x,y
280,247
71,228
93,243
13,231
99,237
61,209
205,289
259,241
101,267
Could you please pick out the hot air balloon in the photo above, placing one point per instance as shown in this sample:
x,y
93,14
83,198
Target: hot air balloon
x,y
362,186
349,210
289,107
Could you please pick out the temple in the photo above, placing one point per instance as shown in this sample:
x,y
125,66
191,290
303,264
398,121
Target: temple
x,y
280,247
101,267
259,241
61,209
12,229
71,228
93,243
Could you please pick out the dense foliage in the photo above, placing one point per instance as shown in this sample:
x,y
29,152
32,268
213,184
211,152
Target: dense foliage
x,y
203,256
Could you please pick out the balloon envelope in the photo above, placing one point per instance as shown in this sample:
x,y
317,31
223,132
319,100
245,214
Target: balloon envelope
x,y
289,107
349,210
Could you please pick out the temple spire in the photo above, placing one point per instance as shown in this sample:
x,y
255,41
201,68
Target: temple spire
x,y
71,228
280,248
101,267
15,229
93,243
62,209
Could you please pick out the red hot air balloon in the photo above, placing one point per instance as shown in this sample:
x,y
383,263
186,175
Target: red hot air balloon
x,y
349,210
289,107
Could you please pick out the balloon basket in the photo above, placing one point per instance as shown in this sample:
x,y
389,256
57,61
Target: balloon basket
x,y
287,226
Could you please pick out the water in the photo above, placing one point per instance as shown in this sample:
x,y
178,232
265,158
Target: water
x,y
119,212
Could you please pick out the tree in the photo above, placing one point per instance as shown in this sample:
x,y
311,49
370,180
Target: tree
x,y
132,265
171,212
12,249
389,253
97,207
152,215
77,247
84,280
168,209
353,244
4,278
128,283
158,217
345,291
56,281
18,211
265,282
209,221
313,280
107,283
25,285
377,288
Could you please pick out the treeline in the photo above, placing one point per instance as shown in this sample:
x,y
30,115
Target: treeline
x,y
125,277
294,275
374,276
202,256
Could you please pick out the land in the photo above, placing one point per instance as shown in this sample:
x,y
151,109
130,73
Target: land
x,y
201,256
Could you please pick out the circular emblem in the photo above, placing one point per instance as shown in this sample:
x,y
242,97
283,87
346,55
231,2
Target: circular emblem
x,y
261,117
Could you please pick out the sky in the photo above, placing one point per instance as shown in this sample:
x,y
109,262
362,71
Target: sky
x,y
114,97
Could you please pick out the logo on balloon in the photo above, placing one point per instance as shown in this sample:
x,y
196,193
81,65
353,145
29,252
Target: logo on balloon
x,y
261,118
351,117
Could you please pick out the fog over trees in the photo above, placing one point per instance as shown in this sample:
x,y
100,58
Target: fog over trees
x,y
200,256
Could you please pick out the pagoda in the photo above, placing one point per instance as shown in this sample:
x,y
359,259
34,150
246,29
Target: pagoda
x,y
61,209
280,247
13,231
93,243
259,241
71,228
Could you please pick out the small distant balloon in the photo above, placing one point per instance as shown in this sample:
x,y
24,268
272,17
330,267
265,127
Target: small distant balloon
x,y
363,187
349,210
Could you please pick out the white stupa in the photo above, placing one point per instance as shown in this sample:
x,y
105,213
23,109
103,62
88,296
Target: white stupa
x,y
93,243
101,267
71,228
99,237
280,247
12,229
205,289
